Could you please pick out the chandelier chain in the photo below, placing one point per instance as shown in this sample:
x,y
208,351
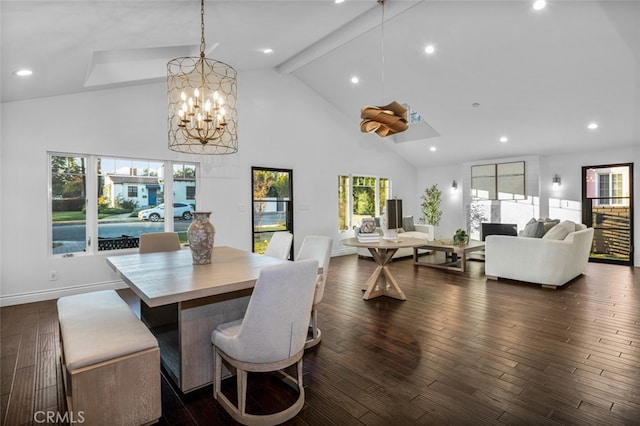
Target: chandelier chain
x,y
381,2
202,42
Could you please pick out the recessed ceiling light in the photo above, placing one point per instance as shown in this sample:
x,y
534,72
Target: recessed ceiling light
x,y
338,1
267,50
592,126
355,79
539,4
433,149
430,49
504,139
23,73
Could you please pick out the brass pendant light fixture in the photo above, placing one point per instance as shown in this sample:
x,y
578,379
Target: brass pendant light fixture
x,y
385,120
202,96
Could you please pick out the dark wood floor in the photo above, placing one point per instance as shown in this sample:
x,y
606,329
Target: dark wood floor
x,y
460,350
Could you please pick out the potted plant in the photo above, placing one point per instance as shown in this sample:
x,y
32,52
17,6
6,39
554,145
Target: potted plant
x,y
460,238
431,199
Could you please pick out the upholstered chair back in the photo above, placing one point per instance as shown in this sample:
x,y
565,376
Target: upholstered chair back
x,y
317,247
280,245
159,241
275,324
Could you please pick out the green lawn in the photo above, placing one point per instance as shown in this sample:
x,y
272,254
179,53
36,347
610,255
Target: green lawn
x,y
69,216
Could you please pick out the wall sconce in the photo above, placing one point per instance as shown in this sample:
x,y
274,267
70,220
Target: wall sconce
x,y
556,182
454,186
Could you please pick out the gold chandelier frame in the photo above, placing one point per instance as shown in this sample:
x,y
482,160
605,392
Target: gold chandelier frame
x,y
202,103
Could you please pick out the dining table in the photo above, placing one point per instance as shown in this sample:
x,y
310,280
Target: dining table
x,y
183,303
382,282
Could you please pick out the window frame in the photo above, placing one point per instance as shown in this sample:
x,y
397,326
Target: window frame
x,y
379,203
496,181
91,220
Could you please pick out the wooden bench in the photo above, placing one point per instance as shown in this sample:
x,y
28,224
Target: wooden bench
x,y
111,361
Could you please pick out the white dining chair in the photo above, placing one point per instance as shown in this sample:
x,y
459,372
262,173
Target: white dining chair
x,y
280,245
153,242
270,337
316,247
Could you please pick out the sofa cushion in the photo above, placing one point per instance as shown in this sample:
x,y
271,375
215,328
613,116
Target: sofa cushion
x,y
550,223
560,231
407,224
533,229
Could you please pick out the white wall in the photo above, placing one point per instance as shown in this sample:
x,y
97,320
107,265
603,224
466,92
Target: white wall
x,y
281,124
564,203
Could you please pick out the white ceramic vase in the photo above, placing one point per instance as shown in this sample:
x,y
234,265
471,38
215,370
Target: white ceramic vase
x,y
200,235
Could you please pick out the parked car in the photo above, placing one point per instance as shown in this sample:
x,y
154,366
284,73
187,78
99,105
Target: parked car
x,y
180,210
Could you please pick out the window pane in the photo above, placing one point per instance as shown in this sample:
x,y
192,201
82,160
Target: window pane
x,y
184,197
125,187
272,205
131,201
483,182
343,203
603,189
68,193
511,181
364,197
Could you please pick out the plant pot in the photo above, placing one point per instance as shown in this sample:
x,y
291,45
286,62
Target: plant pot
x,y
460,240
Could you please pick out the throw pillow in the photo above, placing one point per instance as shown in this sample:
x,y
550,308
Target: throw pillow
x,y
560,231
533,229
550,223
407,224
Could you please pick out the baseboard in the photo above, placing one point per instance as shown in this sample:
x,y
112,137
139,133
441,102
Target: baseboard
x,y
39,296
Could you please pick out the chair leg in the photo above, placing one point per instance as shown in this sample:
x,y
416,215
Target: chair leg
x,y
238,411
316,334
217,371
241,380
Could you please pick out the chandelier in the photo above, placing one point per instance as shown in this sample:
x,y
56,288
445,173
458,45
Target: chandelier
x,y
202,97
385,120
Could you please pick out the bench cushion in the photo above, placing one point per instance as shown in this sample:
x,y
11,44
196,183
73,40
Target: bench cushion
x,y
100,326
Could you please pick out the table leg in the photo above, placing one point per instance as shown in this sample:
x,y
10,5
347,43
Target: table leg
x,y
381,282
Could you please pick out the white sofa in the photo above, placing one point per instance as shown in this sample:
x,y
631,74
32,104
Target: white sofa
x,y
547,261
422,231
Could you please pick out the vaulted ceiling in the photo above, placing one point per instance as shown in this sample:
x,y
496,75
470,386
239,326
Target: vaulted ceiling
x,y
499,68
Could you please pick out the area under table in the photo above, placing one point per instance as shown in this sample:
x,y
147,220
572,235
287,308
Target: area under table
x,y
455,256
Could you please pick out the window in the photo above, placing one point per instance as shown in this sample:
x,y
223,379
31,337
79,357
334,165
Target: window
x,y
272,201
610,185
503,181
112,201
68,203
360,197
191,192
